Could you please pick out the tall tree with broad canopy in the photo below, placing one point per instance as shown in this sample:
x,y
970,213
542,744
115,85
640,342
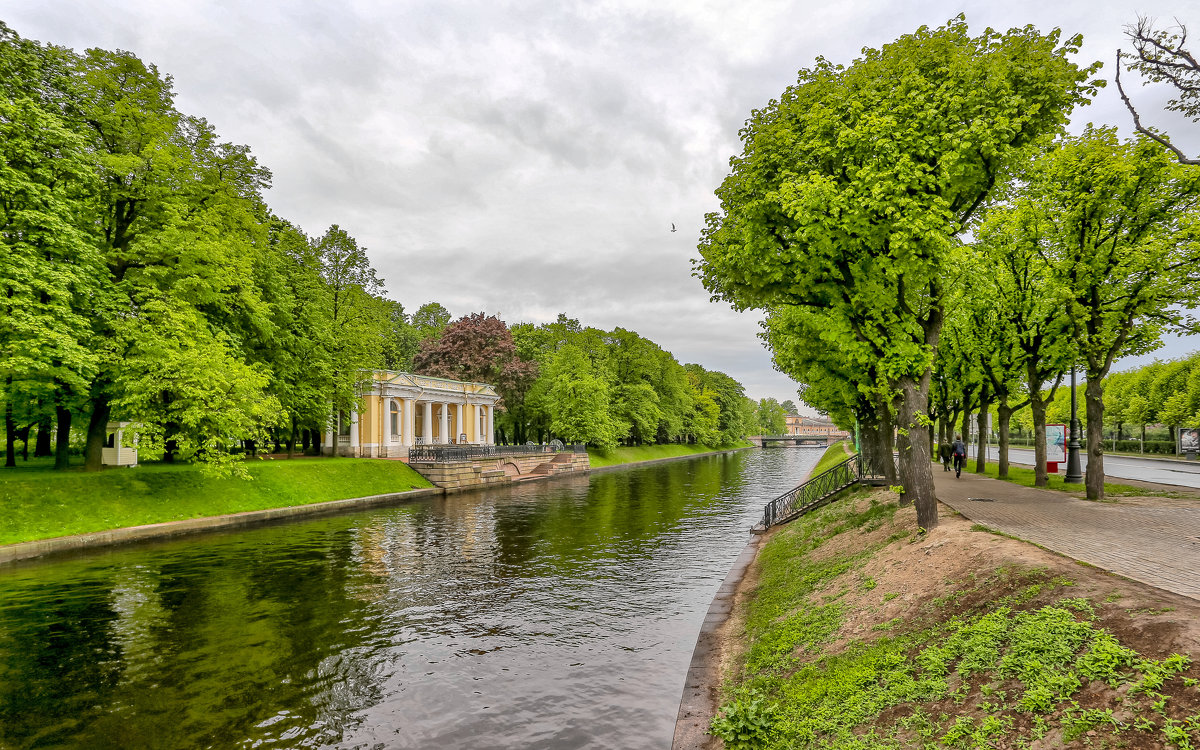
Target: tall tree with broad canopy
x,y
1123,246
854,186
478,348
49,268
1020,289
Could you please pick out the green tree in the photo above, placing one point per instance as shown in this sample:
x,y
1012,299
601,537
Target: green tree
x,y
579,400
50,268
1012,241
770,416
1122,247
855,184
430,320
355,323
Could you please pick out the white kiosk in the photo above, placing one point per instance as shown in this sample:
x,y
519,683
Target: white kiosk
x,y
115,452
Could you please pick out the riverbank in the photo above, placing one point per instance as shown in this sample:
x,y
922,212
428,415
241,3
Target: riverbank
x,y
851,630
152,501
41,503
700,696
640,454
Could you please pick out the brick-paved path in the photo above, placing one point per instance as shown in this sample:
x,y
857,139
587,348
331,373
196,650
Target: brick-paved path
x,y
1158,545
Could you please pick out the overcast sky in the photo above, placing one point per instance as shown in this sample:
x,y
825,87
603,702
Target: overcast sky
x,y
529,158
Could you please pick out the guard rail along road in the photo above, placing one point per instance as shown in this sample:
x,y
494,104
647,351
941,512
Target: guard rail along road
x,y
821,490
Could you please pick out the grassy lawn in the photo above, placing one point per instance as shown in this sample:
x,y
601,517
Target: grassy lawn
x,y
1012,656
40,503
833,456
635,453
1023,476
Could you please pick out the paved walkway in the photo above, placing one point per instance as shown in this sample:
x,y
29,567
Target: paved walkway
x,y
1154,544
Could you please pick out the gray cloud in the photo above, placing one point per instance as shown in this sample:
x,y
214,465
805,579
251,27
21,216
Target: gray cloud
x,y
528,158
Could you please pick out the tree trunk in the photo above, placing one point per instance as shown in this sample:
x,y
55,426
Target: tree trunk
x,y
291,443
920,471
867,440
884,439
1004,416
1038,407
966,428
62,441
23,436
42,448
904,462
1094,478
10,432
981,426
97,434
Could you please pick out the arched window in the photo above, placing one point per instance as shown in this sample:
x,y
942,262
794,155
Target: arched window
x,y
395,413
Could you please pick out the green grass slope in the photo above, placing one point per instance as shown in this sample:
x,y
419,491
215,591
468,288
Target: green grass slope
x,y
40,503
636,453
862,634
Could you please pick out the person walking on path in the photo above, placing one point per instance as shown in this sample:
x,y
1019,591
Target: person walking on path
x,y
960,455
945,452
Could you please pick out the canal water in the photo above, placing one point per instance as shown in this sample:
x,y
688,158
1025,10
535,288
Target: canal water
x,y
557,614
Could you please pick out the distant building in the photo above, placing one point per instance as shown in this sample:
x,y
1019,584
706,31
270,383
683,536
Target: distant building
x,y
398,410
813,426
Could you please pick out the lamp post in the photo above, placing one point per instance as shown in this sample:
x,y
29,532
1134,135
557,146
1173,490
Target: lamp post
x,y
1074,475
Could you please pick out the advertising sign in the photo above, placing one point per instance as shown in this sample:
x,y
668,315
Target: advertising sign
x,y
1189,440
1056,443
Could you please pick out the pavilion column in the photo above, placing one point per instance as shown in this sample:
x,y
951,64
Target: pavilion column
x,y
475,423
458,410
444,424
354,432
409,422
427,425
491,424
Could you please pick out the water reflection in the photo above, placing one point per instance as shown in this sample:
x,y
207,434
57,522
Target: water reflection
x,y
554,614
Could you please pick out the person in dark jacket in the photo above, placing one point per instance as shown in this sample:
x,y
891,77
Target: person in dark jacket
x,y
960,455
945,453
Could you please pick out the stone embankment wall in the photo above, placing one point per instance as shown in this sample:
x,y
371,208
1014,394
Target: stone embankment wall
x,y
481,472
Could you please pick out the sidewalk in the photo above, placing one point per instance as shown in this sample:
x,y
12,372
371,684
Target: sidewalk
x,y
1154,544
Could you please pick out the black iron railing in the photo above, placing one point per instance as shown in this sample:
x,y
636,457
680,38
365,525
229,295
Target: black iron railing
x,y
453,453
821,489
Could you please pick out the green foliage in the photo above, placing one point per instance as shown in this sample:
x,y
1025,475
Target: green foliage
x,y
745,724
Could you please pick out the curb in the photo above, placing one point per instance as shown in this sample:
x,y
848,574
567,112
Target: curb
x,y
699,702
58,545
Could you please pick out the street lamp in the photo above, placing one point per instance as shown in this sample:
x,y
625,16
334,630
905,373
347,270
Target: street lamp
x,y
1074,475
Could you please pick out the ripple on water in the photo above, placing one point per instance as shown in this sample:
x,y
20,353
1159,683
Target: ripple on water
x,y
554,614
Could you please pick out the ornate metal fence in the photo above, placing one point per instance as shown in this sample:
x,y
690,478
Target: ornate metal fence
x,y
821,489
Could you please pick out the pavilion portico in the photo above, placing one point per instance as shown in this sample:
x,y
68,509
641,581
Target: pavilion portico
x,y
399,410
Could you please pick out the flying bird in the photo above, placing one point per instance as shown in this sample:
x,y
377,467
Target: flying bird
x,y
672,226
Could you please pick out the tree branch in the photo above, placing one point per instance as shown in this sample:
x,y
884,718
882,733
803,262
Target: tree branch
x,y
1137,122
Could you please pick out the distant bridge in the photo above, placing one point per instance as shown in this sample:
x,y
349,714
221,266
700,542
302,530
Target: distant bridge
x,y
819,441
